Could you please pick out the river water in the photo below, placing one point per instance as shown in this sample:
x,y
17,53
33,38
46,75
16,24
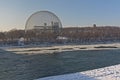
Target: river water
x,y
29,67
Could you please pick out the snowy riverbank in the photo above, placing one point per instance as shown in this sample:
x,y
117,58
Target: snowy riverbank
x,y
106,73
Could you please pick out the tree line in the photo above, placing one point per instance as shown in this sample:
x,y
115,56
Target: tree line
x,y
73,34
92,34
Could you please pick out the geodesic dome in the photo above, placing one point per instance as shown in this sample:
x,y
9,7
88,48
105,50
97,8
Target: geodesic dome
x,y
43,20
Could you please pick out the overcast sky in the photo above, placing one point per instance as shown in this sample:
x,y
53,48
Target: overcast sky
x,y
14,13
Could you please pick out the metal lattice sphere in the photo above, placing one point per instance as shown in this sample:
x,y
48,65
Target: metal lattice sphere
x,y
43,20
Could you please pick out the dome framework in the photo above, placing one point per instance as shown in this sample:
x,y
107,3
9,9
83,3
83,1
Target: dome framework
x,y
43,21
42,26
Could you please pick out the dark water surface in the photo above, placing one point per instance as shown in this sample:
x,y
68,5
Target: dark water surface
x,y
28,67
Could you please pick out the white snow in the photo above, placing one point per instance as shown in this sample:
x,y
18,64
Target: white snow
x,y
106,73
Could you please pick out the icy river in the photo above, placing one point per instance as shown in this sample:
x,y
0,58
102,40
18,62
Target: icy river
x,y
33,66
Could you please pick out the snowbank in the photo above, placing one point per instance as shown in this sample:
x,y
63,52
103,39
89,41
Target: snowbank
x,y
106,73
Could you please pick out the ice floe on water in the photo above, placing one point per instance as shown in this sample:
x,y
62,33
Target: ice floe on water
x,y
60,48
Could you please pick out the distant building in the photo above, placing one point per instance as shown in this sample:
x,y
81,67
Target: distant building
x,y
54,27
21,41
42,26
43,21
94,25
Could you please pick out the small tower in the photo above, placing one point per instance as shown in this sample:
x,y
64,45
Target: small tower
x,y
94,25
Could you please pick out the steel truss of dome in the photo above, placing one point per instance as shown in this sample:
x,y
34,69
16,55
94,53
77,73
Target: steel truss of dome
x,y
43,20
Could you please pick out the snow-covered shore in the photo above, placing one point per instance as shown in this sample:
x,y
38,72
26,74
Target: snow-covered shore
x,y
106,73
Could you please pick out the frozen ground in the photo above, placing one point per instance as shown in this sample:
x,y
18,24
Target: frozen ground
x,y
106,73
